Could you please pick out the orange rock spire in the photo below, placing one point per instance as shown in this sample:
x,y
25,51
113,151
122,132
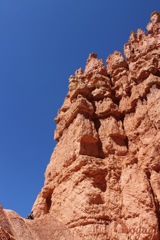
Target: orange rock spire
x,y
103,178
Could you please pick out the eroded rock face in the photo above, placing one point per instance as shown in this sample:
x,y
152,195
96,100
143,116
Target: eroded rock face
x,y
103,179
13,227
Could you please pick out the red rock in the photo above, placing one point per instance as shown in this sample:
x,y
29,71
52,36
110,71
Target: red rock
x,y
103,178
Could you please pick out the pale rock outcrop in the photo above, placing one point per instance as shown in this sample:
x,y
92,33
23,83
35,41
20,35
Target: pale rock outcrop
x,y
103,179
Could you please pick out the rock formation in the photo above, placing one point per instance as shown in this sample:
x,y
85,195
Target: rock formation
x,y
103,179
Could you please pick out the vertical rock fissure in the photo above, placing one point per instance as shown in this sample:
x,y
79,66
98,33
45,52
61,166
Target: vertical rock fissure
x,y
157,205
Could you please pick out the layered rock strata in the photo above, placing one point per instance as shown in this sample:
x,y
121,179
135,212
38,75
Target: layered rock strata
x,y
103,179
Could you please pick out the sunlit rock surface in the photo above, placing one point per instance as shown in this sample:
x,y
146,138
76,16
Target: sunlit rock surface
x,y
103,179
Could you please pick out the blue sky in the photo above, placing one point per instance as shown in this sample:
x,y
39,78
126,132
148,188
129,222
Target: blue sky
x,y
42,43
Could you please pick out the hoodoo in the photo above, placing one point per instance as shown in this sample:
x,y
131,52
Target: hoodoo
x,y
103,178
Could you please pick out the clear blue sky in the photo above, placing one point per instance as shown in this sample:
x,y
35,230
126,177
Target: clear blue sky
x,y
42,43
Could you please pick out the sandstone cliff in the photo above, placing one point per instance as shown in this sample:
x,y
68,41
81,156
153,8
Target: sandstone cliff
x,y
103,179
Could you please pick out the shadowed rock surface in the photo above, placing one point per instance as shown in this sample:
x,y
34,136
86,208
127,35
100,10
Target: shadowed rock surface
x,y
103,179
